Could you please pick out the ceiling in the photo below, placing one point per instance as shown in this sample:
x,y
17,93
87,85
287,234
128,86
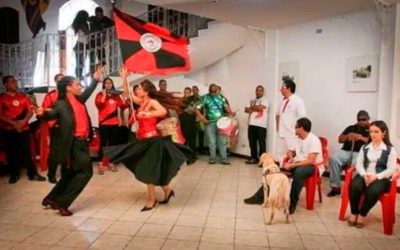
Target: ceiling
x,y
267,14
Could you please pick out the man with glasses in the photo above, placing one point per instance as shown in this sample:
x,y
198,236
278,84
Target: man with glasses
x,y
300,161
353,137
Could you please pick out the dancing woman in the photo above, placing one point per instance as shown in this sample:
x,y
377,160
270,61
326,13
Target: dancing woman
x,y
154,160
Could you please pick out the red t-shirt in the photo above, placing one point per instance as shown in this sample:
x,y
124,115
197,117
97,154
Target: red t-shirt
x,y
108,110
49,101
14,107
81,117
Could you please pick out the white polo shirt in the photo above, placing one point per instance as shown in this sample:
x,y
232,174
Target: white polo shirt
x,y
310,144
288,115
259,119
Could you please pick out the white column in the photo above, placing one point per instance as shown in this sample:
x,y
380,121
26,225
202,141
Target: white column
x,y
394,126
386,66
272,83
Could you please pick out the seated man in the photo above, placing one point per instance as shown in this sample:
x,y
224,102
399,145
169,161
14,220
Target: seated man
x,y
300,163
353,138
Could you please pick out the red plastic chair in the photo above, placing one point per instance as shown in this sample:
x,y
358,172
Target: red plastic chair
x,y
388,201
314,181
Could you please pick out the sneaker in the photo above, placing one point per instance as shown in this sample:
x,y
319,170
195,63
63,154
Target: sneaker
x,y
211,161
252,161
334,192
292,208
225,163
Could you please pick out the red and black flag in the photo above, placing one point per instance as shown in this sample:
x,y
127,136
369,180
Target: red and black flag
x,y
148,48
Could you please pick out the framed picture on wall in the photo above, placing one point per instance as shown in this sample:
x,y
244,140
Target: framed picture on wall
x,y
289,70
362,74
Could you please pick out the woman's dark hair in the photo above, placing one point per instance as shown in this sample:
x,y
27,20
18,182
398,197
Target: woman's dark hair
x,y
304,123
104,83
80,21
289,83
384,128
62,86
167,100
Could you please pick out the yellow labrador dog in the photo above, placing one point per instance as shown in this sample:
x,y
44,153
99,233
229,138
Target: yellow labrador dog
x,y
276,187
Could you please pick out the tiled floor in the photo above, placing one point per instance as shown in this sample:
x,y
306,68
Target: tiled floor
x,y
207,213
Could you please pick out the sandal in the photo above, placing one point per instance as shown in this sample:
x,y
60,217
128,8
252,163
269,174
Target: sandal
x,y
113,168
100,169
360,225
351,223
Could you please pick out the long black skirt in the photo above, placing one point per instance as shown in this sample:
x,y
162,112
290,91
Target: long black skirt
x,y
153,161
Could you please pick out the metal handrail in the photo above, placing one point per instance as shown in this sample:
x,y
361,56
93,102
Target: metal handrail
x,y
54,53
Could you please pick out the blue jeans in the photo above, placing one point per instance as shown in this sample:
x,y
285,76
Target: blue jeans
x,y
215,138
335,166
300,174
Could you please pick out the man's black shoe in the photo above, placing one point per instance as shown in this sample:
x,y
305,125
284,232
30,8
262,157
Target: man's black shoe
x,y
334,192
292,208
225,163
13,179
37,177
190,162
253,200
53,180
252,161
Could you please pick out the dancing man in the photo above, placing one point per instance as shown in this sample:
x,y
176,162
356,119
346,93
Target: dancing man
x,y
75,127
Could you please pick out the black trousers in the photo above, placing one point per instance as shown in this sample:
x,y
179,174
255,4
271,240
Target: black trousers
x,y
257,140
53,161
189,130
17,149
77,176
371,194
109,136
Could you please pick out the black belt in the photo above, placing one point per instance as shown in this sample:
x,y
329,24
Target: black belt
x,y
80,138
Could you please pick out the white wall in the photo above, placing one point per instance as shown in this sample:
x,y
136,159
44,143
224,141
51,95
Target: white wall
x,y
322,67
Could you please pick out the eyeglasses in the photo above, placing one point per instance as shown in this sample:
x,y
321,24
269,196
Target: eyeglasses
x,y
362,119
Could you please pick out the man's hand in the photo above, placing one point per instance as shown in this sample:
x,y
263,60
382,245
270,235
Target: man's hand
x,y
39,111
288,166
353,137
20,124
205,121
248,110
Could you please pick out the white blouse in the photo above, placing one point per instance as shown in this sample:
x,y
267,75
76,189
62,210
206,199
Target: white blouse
x,y
373,156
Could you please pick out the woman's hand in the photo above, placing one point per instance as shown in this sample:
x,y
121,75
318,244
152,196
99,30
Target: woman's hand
x,y
123,72
370,179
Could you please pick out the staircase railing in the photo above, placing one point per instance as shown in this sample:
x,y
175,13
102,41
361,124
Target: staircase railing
x,y
35,62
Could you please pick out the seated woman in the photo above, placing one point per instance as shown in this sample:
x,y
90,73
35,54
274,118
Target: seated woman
x,y
376,163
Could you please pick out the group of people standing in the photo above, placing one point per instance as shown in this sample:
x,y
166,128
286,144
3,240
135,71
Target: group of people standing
x,y
155,160
366,145
91,36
